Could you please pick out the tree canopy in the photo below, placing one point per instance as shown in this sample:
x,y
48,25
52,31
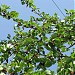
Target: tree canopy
x,y
32,51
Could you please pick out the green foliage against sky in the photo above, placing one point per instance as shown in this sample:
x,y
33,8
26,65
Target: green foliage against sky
x,y
32,51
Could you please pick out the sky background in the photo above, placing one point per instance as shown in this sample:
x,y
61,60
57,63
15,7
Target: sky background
x,y
6,26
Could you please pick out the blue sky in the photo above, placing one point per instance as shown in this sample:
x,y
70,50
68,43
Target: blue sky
x,y
6,26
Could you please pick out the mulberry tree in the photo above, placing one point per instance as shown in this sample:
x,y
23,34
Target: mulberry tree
x,y
32,51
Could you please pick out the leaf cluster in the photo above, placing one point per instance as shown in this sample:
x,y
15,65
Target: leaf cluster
x,y
32,51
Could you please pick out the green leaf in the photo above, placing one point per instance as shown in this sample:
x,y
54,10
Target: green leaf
x,y
4,7
72,11
48,72
66,10
14,14
64,49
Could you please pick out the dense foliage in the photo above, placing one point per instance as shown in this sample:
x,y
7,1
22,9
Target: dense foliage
x,y
34,51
